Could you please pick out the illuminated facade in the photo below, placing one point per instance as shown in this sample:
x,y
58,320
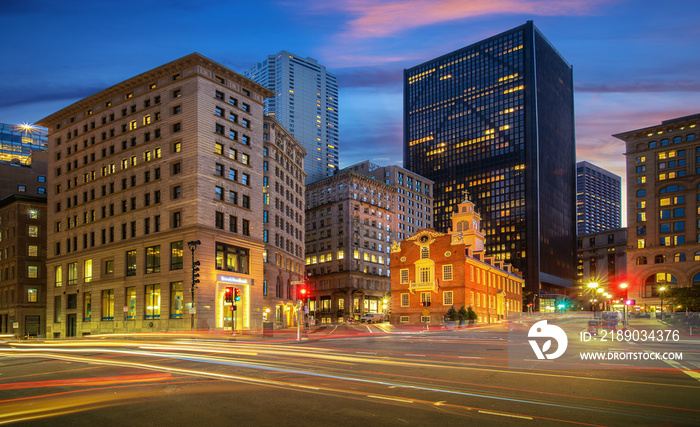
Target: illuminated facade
x,y
598,199
171,156
18,141
451,270
663,208
305,102
414,198
283,223
496,118
350,223
602,259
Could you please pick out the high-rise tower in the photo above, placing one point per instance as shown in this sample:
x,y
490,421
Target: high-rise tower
x,y
306,104
497,118
598,199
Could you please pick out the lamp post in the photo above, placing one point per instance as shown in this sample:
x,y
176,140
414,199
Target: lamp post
x,y
592,286
661,292
192,245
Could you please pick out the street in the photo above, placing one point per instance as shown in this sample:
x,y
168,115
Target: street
x,y
345,375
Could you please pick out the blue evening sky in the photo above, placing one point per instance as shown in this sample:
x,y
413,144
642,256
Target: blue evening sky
x,y
635,62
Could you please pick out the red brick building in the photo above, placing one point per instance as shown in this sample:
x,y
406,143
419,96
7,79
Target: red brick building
x,y
451,269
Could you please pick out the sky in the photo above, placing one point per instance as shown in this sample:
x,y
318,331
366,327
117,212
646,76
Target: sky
x,y
635,62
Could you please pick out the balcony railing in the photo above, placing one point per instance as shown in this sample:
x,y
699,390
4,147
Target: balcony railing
x,y
423,286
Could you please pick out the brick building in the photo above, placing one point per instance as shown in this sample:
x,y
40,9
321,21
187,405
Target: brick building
x,y
451,269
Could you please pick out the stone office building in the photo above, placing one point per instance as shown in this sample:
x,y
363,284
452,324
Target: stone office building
x,y
136,172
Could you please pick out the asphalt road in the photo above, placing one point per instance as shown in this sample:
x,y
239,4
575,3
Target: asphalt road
x,y
349,375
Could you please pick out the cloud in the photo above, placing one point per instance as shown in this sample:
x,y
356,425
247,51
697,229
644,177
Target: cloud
x,y
654,86
387,18
370,77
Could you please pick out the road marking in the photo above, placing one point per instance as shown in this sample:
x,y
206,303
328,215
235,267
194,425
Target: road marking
x,y
389,398
689,372
505,415
417,355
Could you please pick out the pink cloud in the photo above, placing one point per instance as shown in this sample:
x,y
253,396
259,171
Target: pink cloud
x,y
385,18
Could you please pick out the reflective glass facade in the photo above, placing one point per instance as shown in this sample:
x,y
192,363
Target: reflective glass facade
x,y
598,199
18,141
496,119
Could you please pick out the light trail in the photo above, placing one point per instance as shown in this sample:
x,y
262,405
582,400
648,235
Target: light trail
x,y
283,384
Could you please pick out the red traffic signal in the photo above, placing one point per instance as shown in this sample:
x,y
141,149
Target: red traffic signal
x,y
630,302
228,295
530,304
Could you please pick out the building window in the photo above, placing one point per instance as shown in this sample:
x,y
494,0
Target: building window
x,y
245,227
32,295
424,252
87,306
33,231
108,304
425,298
32,250
219,220
130,302
153,259
447,298
232,258
131,263
73,273
404,275
447,272
176,300
58,276
87,270
152,302
405,300
176,255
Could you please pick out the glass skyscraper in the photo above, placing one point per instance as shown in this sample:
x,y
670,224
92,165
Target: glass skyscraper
x,y
496,119
18,141
598,199
306,104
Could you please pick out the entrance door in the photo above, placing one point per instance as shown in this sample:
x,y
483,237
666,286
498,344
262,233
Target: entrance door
x,y
31,326
70,325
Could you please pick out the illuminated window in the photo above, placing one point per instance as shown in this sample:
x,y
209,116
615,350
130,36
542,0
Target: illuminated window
x,y
152,301
176,300
87,270
447,272
405,300
447,298
108,304
404,275
58,276
87,306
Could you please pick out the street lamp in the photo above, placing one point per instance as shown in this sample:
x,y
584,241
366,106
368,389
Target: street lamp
x,y
661,291
192,245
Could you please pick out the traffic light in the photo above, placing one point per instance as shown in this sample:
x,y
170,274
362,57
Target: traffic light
x,y
303,293
228,295
195,272
237,293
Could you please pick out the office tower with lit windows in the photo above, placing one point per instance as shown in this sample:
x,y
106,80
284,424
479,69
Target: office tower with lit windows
x,y
18,141
23,246
305,102
496,118
663,209
598,199
414,198
145,177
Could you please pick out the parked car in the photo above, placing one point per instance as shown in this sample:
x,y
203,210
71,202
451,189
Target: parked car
x,y
373,318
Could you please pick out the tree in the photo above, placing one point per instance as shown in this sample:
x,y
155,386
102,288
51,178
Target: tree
x,y
463,314
688,298
471,315
452,314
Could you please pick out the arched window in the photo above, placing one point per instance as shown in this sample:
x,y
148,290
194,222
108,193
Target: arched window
x,y
679,257
641,193
697,256
641,260
652,144
641,146
696,280
463,226
655,281
659,259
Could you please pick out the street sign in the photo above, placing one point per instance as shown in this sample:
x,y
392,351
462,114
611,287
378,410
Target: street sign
x,y
425,312
126,309
298,282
